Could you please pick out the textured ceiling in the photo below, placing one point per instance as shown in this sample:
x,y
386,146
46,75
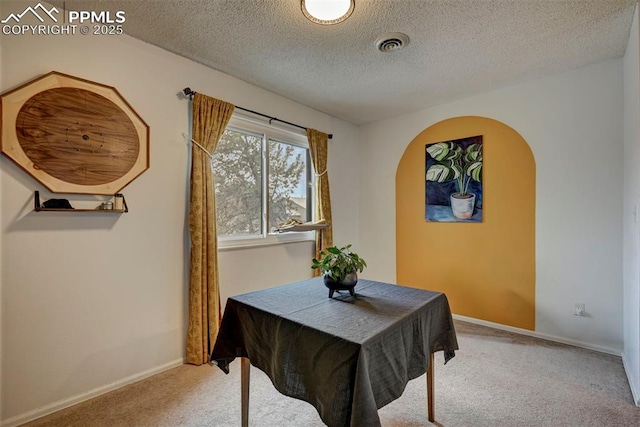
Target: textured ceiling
x,y
457,47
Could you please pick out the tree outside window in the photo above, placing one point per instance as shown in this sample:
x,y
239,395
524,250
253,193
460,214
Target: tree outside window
x,y
247,165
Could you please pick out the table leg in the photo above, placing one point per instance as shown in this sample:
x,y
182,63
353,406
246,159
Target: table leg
x,y
431,412
245,367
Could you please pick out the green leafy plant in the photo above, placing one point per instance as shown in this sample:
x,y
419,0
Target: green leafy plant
x,y
339,262
453,162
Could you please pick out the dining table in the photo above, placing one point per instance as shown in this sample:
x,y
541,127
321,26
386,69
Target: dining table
x,y
348,356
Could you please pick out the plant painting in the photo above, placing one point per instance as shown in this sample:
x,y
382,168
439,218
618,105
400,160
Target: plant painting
x,y
453,186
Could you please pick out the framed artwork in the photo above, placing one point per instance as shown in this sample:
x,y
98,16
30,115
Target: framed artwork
x,y
74,135
453,184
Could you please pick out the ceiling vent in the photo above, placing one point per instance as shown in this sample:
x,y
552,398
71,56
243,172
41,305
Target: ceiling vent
x,y
390,42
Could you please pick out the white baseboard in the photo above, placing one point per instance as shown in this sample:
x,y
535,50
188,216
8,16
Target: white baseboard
x,y
635,389
65,403
575,343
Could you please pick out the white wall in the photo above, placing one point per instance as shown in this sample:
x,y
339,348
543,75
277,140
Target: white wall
x,y
92,301
573,123
631,228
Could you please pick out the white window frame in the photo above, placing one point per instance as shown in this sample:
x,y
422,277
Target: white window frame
x,y
246,124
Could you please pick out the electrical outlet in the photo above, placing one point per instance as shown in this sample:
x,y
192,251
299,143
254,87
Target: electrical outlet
x,y
578,309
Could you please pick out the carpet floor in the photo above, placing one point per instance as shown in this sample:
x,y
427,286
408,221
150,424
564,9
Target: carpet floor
x,y
497,378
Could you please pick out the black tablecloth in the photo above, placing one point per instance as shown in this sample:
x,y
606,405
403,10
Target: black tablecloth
x,y
346,356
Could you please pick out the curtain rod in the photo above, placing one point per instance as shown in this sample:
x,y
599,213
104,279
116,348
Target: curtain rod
x,y
188,92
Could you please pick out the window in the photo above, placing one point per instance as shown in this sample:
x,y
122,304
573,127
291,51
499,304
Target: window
x,y
263,177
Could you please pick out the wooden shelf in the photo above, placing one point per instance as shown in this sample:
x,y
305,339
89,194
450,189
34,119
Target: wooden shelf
x,y
81,210
38,207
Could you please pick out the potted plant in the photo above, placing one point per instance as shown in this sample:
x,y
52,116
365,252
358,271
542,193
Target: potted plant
x,y
452,162
340,267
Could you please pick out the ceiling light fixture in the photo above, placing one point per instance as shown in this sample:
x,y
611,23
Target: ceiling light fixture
x,y
327,12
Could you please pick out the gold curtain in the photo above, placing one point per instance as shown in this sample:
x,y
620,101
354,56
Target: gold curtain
x,y
318,143
210,118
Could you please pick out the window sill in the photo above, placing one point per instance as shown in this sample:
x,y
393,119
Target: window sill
x,y
304,227
270,240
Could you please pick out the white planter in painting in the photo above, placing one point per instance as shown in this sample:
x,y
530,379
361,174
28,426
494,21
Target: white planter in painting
x,y
462,205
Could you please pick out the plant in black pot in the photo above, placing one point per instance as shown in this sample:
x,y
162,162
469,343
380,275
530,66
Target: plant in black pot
x,y
340,267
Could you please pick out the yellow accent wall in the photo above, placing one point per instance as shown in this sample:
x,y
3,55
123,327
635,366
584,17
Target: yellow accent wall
x,y
487,270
